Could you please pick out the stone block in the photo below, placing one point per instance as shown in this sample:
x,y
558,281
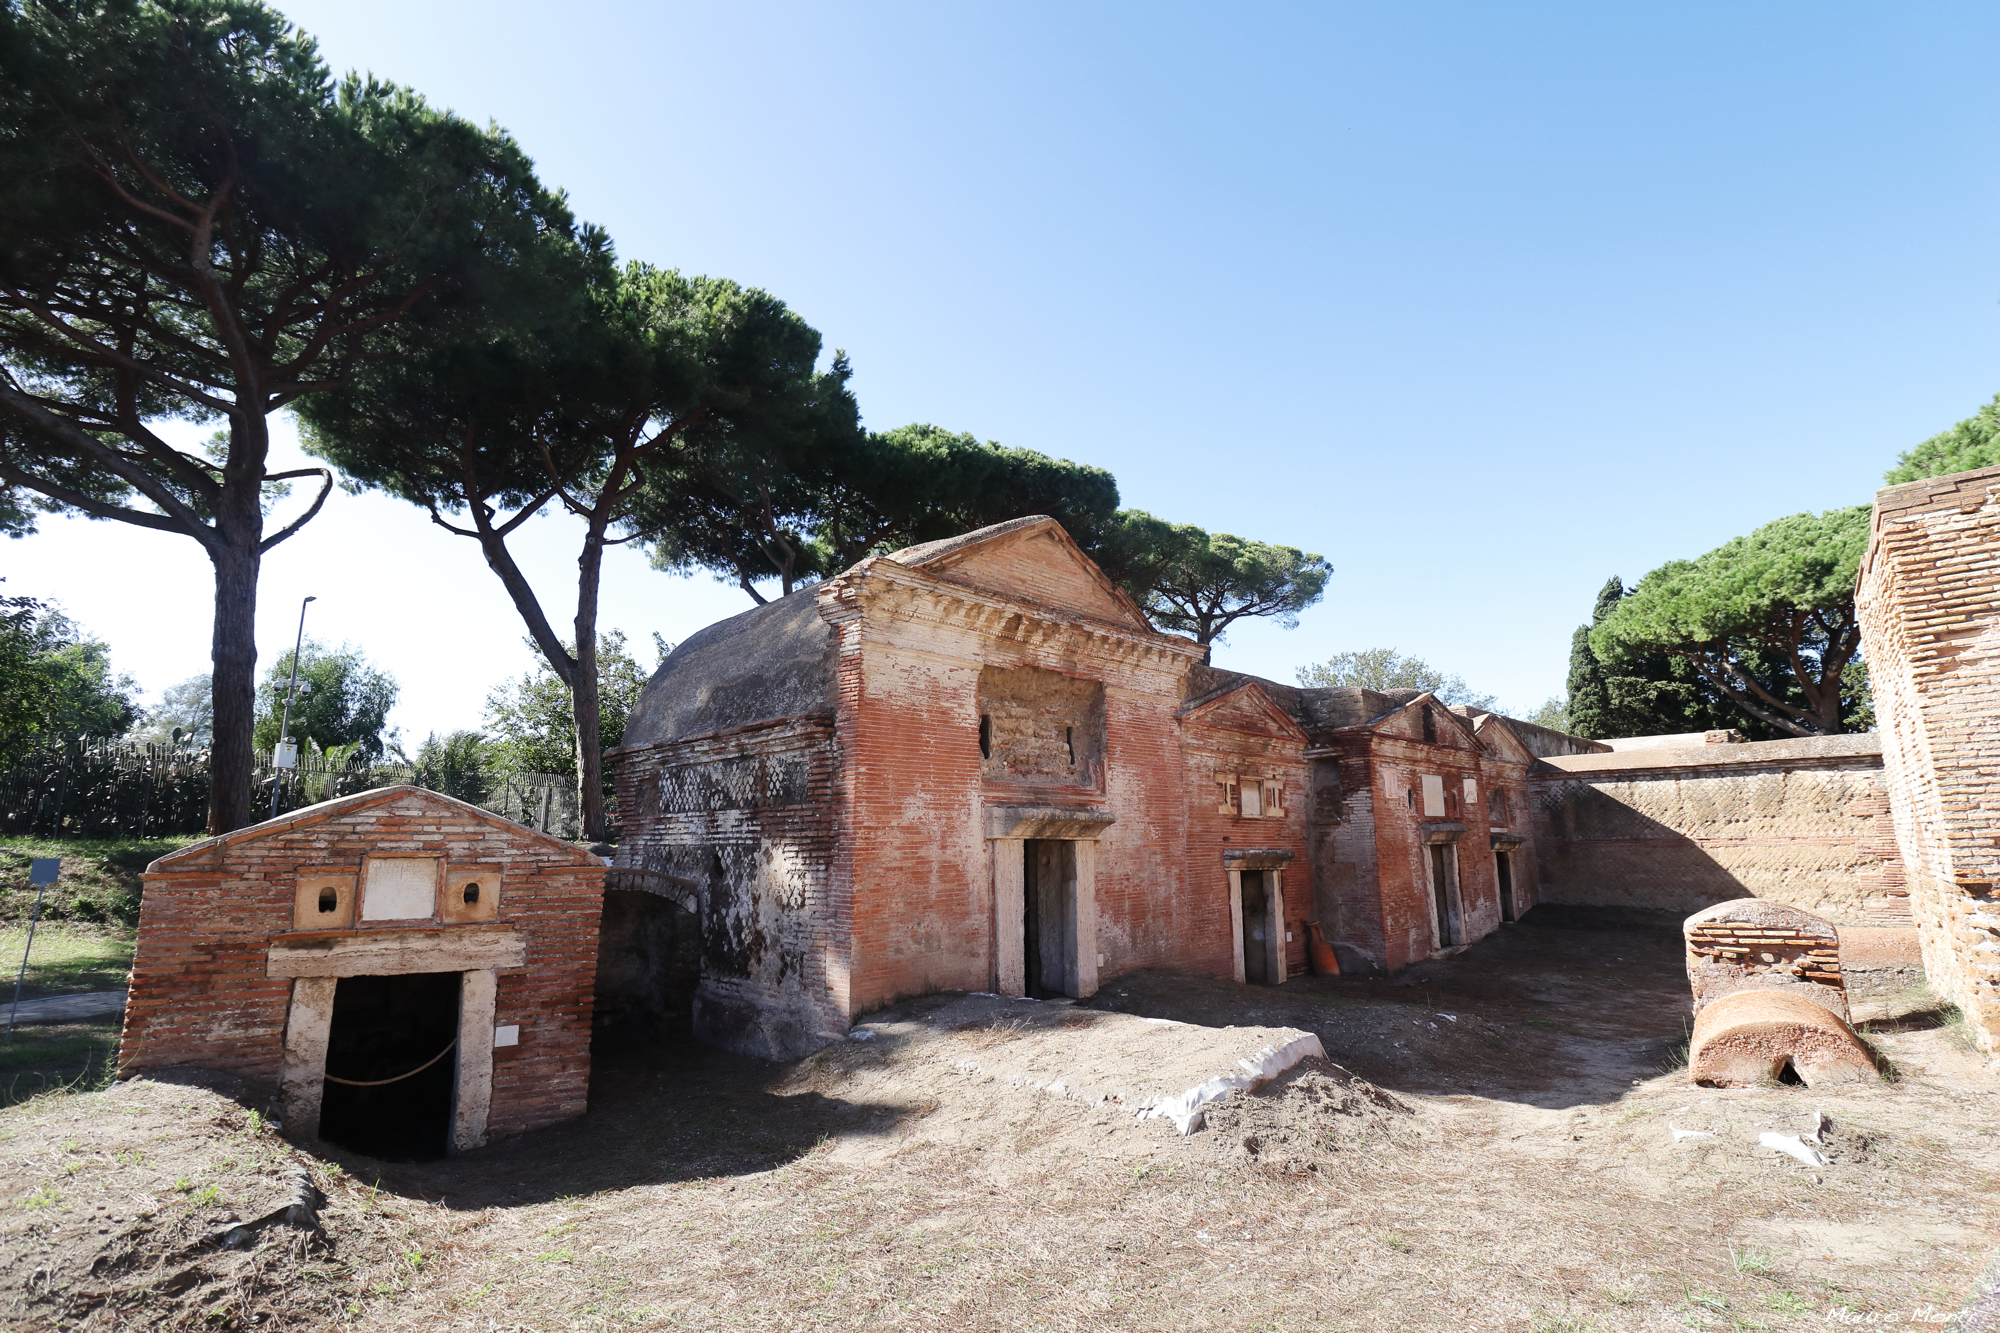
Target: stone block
x,y
1747,1038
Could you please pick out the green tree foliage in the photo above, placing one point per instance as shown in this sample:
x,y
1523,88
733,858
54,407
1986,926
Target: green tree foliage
x,y
1554,713
817,511
529,726
56,682
185,716
1643,694
459,764
1387,669
199,223
811,513
1973,443
342,700
1766,620
590,387
1197,583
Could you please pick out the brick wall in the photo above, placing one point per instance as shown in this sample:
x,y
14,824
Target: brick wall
x,y
1929,600
200,996
1678,829
1401,758
1341,836
749,816
913,851
1239,737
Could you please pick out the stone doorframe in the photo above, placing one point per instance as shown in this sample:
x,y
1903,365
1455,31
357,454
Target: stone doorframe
x,y
1443,835
316,963
1008,829
1272,861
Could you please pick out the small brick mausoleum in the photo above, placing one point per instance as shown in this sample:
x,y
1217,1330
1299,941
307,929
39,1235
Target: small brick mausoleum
x,y
408,973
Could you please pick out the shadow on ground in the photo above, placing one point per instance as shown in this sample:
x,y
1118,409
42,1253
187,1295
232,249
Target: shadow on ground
x,y
663,1107
1566,1008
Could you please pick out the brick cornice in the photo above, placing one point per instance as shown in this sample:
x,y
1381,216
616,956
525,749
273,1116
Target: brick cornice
x,y
946,603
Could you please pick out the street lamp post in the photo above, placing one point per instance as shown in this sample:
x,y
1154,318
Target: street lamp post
x,y
287,750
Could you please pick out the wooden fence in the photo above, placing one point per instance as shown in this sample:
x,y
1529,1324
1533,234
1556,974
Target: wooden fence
x,y
111,789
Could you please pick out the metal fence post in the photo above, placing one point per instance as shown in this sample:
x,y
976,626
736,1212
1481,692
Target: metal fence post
x,y
42,872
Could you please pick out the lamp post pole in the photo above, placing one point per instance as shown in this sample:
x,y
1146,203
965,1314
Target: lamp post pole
x,y
285,727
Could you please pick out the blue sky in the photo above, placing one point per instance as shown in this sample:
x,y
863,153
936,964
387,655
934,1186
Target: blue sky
x,y
1485,303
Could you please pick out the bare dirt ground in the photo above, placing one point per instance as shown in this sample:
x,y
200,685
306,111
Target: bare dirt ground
x,y
163,1203
1490,1145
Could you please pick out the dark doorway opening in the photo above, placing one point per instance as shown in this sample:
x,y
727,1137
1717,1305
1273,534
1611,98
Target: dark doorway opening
x,y
1447,906
1048,927
1505,862
648,965
384,1028
1256,928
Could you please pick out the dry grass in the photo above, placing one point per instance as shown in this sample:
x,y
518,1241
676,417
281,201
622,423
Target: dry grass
x,y
1553,1198
877,1186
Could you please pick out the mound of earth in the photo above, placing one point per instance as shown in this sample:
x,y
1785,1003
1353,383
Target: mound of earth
x,y
1298,1120
164,1203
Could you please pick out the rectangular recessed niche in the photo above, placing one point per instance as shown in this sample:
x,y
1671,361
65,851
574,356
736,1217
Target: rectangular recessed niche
x,y
471,893
400,888
1433,795
324,901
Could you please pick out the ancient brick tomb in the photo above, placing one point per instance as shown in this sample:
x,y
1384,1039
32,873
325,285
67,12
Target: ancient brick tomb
x,y
408,973
1929,603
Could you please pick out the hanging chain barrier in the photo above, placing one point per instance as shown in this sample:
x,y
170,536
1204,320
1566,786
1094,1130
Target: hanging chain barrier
x,y
385,1082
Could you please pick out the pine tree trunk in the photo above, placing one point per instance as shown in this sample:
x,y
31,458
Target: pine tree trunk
x,y
584,702
232,764
239,523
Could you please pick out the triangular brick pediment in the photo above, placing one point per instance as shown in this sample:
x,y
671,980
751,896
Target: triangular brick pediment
x,y
201,853
1246,708
1499,738
1407,723
1032,559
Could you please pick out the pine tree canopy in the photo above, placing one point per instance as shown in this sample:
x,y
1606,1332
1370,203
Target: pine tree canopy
x,y
1767,620
1973,443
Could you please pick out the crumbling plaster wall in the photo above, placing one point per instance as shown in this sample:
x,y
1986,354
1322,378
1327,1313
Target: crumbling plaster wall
x,y
749,815
1805,822
912,851
1929,602
1346,875
1041,726
1401,758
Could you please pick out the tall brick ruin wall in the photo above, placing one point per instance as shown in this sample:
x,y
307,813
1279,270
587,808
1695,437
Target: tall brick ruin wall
x,y
1677,829
748,816
1929,600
